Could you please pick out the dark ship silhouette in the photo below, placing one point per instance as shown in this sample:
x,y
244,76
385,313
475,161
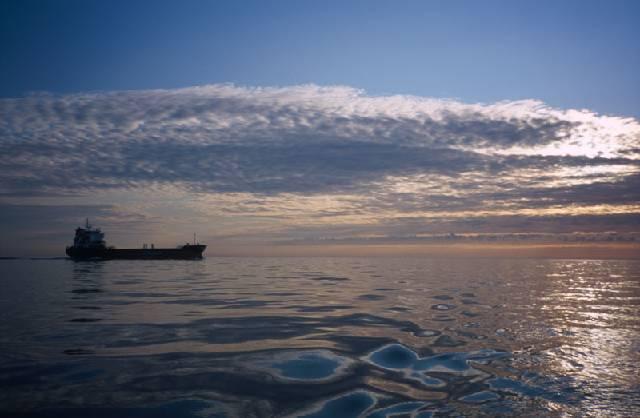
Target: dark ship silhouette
x,y
89,243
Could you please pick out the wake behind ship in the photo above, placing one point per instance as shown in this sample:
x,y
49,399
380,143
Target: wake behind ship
x,y
89,243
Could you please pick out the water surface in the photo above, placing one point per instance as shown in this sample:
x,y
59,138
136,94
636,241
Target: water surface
x,y
319,337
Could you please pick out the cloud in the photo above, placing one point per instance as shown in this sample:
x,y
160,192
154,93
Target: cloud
x,y
392,155
214,133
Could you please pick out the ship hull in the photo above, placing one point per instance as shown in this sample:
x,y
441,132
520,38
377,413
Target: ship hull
x,y
188,252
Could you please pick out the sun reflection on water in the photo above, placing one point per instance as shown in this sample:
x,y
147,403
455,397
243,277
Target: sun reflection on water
x,y
600,314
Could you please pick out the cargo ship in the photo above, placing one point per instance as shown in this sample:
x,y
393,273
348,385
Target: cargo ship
x,y
89,244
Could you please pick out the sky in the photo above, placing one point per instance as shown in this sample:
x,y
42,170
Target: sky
x,y
317,123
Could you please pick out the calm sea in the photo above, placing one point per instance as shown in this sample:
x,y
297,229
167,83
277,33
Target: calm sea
x,y
319,337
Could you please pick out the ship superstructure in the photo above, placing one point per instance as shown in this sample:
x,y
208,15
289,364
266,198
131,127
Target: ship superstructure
x,y
89,243
89,237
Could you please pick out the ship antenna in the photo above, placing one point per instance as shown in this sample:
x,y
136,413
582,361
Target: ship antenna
x,y
194,238
86,223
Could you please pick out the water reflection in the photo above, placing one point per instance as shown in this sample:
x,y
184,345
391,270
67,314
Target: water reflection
x,y
320,337
87,279
594,312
